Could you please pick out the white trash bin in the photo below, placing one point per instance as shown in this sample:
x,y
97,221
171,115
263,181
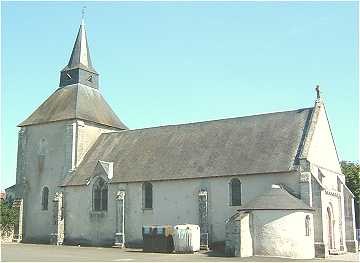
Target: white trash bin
x,y
186,238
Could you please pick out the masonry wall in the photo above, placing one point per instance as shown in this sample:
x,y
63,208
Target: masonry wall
x,y
282,233
47,154
322,151
331,202
44,165
174,202
317,204
350,234
87,133
232,237
246,237
327,188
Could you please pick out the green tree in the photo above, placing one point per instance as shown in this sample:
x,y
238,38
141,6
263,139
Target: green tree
x,y
8,216
351,170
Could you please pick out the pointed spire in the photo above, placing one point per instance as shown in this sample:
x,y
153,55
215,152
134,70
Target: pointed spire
x,y
80,56
79,70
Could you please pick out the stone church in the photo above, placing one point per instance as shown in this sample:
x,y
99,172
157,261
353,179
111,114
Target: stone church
x,y
83,177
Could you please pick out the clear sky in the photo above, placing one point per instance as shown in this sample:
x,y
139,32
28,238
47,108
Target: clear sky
x,y
167,63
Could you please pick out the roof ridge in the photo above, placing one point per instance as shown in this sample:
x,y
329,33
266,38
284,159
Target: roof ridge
x,y
208,121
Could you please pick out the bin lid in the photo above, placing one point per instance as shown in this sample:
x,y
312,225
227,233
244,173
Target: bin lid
x,y
163,230
187,226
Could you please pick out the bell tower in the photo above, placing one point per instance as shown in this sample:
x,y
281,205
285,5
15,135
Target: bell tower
x,y
80,69
54,139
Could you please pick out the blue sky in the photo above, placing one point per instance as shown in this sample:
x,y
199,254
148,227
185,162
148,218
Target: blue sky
x,y
167,63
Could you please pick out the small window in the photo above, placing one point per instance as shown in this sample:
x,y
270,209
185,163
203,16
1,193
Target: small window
x,y
100,195
90,79
68,75
235,192
45,198
307,225
147,195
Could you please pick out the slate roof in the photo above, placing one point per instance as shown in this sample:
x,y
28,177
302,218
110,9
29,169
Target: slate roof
x,y
247,145
80,55
75,102
275,199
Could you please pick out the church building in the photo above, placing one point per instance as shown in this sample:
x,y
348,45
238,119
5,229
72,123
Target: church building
x,y
83,177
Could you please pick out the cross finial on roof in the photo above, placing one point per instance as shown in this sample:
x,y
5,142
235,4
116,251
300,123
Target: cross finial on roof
x,y
317,92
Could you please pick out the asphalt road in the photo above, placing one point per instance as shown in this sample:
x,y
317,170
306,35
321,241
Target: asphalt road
x,y
34,252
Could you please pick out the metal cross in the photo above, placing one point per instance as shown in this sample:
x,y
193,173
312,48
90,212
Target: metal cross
x,y
83,12
317,91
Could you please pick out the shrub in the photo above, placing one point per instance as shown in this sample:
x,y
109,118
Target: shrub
x,y
8,217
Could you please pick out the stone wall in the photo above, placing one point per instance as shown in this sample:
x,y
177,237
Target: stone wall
x,y
282,233
326,190
350,232
174,202
322,151
87,133
318,218
48,153
232,236
323,200
45,162
246,235
331,202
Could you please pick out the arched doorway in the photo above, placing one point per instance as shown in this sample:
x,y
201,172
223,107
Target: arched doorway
x,y
330,229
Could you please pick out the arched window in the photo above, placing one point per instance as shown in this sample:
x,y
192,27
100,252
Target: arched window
x,y
235,192
100,195
45,198
307,225
147,195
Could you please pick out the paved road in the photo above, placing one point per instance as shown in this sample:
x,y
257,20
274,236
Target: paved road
x,y
32,252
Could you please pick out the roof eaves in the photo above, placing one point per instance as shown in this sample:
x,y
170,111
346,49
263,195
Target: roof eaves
x,y
45,122
279,209
180,178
